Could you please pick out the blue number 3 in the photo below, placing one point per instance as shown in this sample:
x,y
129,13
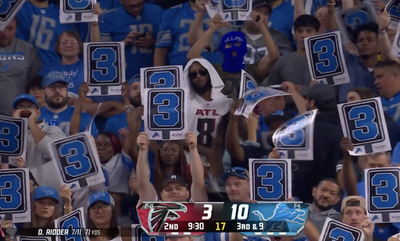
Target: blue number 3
x,y
72,223
10,195
388,197
366,128
168,78
338,233
294,134
76,154
106,69
167,115
273,182
9,133
5,6
325,48
78,4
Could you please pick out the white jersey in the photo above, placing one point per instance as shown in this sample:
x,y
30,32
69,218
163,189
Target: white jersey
x,y
207,115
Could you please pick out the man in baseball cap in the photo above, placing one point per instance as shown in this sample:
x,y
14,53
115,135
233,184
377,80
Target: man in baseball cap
x,y
24,105
320,96
354,214
237,184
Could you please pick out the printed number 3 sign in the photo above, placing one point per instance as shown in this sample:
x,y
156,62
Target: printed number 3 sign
x,y
165,114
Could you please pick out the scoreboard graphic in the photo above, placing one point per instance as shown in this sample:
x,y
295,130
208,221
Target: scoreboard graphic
x,y
250,219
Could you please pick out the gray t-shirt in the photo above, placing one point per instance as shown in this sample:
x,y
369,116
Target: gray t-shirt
x,y
19,62
292,68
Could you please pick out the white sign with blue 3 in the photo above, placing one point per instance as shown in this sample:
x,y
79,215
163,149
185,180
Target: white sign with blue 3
x,y
382,190
364,123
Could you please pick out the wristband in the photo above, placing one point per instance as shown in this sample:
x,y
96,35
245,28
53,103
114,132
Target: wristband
x,y
129,109
331,4
94,25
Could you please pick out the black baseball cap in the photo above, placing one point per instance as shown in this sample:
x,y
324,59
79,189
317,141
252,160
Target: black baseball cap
x,y
260,3
323,95
174,179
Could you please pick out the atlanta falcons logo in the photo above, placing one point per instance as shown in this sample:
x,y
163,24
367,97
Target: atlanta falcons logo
x,y
161,212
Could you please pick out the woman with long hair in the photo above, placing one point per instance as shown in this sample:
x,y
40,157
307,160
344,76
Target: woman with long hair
x,y
45,209
101,215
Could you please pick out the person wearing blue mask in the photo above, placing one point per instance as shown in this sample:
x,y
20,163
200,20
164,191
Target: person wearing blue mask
x,y
57,112
233,46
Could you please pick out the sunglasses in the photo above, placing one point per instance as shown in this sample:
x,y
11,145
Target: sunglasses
x,y
202,72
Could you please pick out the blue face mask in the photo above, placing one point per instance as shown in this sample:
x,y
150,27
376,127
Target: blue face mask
x,y
233,47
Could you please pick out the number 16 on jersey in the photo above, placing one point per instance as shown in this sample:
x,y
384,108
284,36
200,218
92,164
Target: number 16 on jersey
x,y
325,58
165,114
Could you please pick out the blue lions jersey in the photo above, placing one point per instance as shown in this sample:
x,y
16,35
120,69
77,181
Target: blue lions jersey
x,y
118,23
73,73
173,34
282,19
106,5
392,107
63,119
41,27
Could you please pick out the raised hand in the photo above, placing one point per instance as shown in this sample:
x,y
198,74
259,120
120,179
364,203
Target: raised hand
x,y
143,141
191,140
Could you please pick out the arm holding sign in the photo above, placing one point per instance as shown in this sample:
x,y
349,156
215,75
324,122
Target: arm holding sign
x,y
346,177
134,121
196,28
331,19
95,30
299,101
232,143
37,133
384,41
204,41
198,189
75,123
368,229
146,189
268,61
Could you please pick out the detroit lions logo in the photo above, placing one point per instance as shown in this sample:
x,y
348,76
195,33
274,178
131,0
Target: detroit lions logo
x,y
283,213
161,212
48,191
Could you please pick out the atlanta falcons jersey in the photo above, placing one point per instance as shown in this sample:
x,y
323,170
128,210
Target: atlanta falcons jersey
x,y
207,115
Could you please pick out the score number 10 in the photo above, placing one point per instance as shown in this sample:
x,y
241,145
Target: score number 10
x,y
238,212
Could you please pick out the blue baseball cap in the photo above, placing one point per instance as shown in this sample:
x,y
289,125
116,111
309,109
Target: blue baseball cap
x,y
239,172
43,192
53,77
27,97
134,79
101,197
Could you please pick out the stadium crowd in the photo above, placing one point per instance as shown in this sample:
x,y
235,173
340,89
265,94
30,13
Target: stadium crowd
x,y
42,79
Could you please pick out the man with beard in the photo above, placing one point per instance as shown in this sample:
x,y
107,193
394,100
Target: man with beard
x,y
117,124
207,101
19,63
40,135
39,24
57,112
326,195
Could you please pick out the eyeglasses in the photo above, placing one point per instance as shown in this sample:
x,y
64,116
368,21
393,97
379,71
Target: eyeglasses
x,y
202,72
29,107
103,207
72,42
239,171
105,145
55,87
173,150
